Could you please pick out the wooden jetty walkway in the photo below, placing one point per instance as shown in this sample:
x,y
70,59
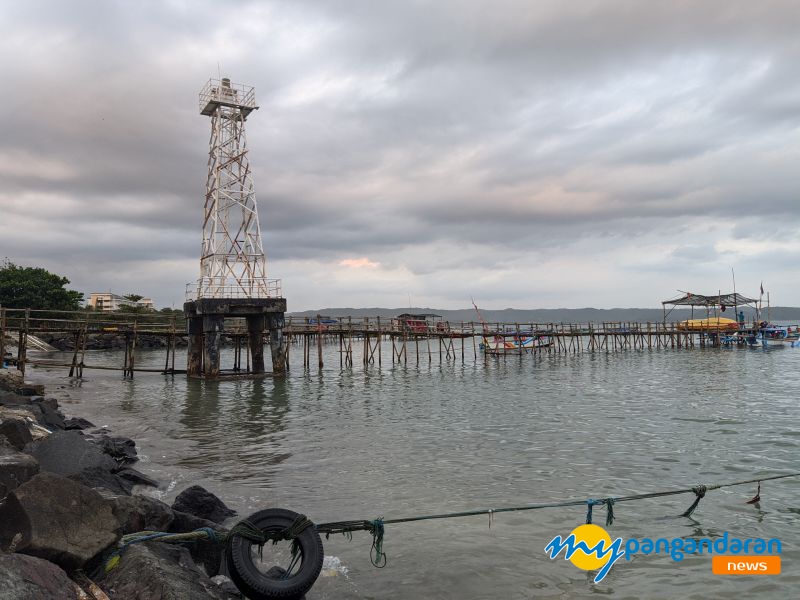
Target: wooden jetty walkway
x,y
364,339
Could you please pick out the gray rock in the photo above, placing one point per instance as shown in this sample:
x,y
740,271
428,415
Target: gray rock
x,y
205,552
101,478
198,501
77,423
15,469
121,449
136,478
30,578
68,453
141,513
16,432
51,417
8,398
30,390
59,520
167,572
50,403
227,586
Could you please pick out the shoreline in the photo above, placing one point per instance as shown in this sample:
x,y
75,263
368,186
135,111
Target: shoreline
x,y
68,493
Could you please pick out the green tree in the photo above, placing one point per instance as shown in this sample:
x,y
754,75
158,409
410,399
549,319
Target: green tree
x,y
37,288
133,297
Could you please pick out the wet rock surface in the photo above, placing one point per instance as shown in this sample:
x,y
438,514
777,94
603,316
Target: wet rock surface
x,y
199,502
205,553
65,500
100,478
16,431
77,423
58,520
141,513
153,570
121,449
15,469
29,578
69,453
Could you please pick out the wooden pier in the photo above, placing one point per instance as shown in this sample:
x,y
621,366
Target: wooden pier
x,y
458,340
364,339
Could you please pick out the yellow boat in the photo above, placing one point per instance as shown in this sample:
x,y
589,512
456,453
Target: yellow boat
x,y
712,324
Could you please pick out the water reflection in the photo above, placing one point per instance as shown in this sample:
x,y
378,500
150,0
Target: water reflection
x,y
239,424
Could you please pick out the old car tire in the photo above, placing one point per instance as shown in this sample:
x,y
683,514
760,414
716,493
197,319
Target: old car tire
x,y
257,585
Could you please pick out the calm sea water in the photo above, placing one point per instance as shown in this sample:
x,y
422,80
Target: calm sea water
x,y
407,440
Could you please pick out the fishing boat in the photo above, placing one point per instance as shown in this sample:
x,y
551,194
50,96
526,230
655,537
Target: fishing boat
x,y
772,336
495,341
500,344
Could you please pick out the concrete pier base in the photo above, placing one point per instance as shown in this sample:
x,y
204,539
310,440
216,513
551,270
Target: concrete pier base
x,y
205,319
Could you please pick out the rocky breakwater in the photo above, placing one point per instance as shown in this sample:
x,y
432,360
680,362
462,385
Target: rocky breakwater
x,y
108,341
68,493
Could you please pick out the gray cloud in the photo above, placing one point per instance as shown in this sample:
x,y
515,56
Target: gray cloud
x,y
537,154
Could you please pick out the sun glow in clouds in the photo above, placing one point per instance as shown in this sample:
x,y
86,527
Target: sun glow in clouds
x,y
359,263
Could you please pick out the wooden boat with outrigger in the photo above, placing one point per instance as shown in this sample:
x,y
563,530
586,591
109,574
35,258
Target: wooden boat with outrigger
x,y
510,342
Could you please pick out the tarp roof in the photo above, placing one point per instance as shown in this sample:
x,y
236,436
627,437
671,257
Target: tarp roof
x,y
716,300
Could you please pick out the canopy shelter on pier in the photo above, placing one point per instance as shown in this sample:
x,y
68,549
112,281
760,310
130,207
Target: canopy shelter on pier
x,y
717,301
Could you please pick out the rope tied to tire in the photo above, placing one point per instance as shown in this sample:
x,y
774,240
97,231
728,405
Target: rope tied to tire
x,y
247,530
375,527
305,564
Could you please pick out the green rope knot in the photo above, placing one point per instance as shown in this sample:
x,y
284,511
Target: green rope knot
x,y
212,535
608,502
610,511
376,554
699,492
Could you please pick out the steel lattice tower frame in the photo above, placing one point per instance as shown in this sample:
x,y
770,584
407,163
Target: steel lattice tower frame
x,y
232,261
233,280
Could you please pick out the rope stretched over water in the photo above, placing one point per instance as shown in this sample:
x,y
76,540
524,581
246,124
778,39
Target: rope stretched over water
x,y
377,530
250,532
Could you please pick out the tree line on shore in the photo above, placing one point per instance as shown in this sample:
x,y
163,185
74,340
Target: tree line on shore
x,y
39,289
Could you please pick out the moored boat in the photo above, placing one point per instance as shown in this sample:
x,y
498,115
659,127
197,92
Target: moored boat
x,y
778,335
499,344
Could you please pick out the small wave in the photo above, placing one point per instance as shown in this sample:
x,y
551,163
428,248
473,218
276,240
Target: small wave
x,y
332,566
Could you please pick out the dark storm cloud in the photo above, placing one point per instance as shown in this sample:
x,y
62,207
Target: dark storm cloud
x,y
488,134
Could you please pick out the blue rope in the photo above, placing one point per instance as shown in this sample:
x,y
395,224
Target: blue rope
x,y
212,535
590,503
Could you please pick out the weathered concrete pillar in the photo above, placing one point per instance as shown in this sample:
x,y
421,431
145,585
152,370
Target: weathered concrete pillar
x,y
277,346
194,360
255,340
212,332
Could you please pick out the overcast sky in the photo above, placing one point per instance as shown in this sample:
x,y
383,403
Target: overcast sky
x,y
529,154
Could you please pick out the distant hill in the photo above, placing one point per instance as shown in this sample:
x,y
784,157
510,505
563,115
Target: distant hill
x,y
551,315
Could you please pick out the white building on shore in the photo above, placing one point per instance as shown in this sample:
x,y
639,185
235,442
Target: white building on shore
x,y
109,302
